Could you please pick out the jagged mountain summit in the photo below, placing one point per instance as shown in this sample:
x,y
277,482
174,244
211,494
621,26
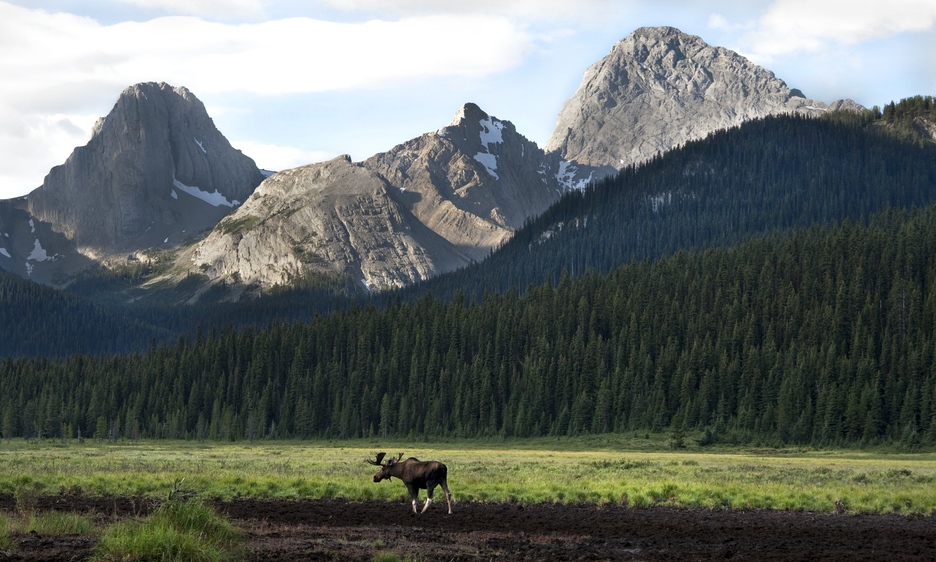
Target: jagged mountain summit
x,y
473,181
660,87
435,203
156,145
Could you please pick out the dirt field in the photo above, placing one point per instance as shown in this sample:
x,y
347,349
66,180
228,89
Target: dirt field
x,y
345,530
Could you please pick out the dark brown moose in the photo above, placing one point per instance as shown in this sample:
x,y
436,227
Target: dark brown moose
x,y
417,475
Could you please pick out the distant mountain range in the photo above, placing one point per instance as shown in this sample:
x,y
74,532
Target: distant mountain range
x,y
159,184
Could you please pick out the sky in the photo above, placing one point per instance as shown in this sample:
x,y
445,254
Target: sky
x,y
292,82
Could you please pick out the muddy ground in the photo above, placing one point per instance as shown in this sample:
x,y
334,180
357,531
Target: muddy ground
x,y
338,529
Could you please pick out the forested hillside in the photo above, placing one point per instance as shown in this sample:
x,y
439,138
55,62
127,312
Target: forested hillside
x,y
821,335
38,320
765,176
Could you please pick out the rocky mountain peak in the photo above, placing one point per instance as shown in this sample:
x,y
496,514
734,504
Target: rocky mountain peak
x,y
156,142
468,112
658,88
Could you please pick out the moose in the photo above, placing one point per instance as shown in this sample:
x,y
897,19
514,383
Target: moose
x,y
416,474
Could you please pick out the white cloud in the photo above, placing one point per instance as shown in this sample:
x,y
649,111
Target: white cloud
x,y
792,26
720,22
60,69
282,56
251,10
551,10
278,158
32,143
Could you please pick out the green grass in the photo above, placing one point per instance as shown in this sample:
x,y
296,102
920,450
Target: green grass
x,y
7,529
236,226
391,557
45,524
60,524
182,529
603,469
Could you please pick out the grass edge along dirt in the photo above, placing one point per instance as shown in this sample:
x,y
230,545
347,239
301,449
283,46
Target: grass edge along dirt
x,y
183,528
638,472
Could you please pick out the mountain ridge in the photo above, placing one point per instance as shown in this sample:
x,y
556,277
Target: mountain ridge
x,y
471,183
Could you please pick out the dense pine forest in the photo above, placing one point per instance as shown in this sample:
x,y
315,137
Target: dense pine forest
x,y
765,176
38,320
776,288
820,336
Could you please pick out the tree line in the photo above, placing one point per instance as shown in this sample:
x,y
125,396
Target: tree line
x,y
820,335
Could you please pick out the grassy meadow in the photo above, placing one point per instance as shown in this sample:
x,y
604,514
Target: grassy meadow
x,y
602,469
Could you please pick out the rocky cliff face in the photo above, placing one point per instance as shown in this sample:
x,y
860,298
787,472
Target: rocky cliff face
x,y
659,88
430,205
472,182
333,217
157,141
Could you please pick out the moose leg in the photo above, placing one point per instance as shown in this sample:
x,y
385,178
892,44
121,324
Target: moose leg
x,y
448,496
429,489
414,493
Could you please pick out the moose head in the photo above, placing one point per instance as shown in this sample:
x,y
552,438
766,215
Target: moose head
x,y
385,467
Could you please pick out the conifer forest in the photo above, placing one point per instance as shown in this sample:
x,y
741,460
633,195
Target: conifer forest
x,y
772,283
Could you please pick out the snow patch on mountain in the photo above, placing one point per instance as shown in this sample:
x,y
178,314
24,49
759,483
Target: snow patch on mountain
x,y
566,176
215,199
491,133
3,252
38,253
489,161
200,146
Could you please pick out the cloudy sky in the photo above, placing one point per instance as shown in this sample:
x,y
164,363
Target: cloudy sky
x,y
292,82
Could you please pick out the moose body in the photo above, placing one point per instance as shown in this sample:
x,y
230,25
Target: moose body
x,y
416,475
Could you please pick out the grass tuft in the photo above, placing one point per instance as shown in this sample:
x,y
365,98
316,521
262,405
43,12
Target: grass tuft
x,y
6,532
61,524
182,529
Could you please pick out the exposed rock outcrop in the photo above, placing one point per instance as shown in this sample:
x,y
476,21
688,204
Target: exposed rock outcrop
x,y
659,88
924,127
430,205
333,217
473,181
155,142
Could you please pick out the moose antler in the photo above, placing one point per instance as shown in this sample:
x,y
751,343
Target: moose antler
x,y
392,461
377,461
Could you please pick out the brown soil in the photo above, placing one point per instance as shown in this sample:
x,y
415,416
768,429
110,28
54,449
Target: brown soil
x,y
338,529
